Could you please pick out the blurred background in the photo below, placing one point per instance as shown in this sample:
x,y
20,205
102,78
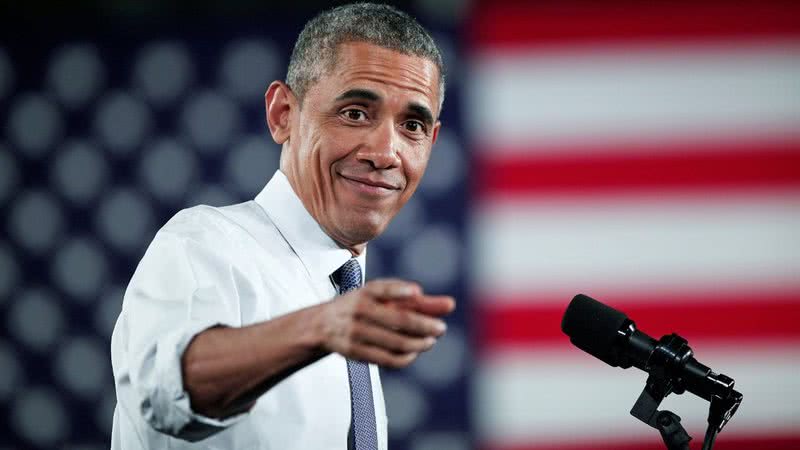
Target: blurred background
x,y
644,153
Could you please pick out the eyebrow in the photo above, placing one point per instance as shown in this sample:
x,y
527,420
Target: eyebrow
x,y
364,94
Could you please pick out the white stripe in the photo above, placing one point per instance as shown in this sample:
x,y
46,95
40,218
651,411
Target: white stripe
x,y
547,397
595,95
609,245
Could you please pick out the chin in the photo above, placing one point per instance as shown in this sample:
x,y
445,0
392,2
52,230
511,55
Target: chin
x,y
363,228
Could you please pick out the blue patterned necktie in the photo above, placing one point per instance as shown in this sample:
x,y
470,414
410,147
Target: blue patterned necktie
x,y
363,434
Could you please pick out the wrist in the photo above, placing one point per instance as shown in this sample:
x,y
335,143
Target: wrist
x,y
314,329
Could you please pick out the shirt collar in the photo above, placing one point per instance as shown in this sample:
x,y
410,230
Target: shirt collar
x,y
318,252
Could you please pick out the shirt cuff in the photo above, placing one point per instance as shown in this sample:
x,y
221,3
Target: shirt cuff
x,y
168,407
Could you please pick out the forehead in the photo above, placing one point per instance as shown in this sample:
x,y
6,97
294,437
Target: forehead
x,y
363,64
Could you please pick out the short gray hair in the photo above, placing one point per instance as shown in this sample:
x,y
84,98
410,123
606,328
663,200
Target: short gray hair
x,y
316,48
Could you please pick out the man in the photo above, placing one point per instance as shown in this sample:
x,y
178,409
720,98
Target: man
x,y
232,335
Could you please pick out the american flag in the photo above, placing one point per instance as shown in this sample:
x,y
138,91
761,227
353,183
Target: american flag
x,y
646,154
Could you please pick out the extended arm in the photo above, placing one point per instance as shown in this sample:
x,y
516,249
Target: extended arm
x,y
387,322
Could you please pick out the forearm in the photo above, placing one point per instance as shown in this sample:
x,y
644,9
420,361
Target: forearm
x,y
226,369
387,322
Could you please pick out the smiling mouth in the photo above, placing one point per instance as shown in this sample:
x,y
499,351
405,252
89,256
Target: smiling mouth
x,y
370,187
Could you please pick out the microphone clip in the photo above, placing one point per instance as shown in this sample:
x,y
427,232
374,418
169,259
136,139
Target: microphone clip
x,y
666,422
666,366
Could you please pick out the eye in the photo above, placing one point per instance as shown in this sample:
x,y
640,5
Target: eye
x,y
355,115
414,126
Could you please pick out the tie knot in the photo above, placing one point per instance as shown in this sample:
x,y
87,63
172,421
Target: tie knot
x,y
348,277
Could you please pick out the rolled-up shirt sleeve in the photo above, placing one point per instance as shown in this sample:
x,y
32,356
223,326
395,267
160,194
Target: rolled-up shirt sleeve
x,y
185,283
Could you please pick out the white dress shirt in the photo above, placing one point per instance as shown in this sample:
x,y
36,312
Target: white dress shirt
x,y
231,266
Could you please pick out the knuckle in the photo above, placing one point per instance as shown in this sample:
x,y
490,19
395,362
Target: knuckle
x,y
377,284
393,342
354,331
406,318
345,347
362,307
407,345
349,339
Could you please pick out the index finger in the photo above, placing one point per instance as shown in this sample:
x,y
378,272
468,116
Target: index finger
x,y
433,305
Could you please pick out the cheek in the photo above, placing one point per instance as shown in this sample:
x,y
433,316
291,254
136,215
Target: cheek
x,y
415,164
316,152
336,144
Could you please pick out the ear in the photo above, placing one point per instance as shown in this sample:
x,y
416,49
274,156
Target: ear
x,y
435,134
279,102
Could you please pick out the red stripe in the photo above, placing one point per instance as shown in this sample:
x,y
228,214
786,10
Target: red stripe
x,y
524,322
723,442
525,24
518,173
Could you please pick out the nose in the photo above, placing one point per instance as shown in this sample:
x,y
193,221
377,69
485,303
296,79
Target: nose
x,y
381,149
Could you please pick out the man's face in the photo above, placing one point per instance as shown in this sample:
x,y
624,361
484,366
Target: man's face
x,y
360,143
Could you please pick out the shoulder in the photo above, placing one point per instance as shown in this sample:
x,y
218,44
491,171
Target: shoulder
x,y
239,228
202,236
203,221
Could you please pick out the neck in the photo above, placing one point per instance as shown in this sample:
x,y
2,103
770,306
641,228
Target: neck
x,y
355,250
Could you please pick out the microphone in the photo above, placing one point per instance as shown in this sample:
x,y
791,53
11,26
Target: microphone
x,y
612,337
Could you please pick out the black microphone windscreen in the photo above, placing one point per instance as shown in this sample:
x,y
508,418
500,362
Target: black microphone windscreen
x,y
593,327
